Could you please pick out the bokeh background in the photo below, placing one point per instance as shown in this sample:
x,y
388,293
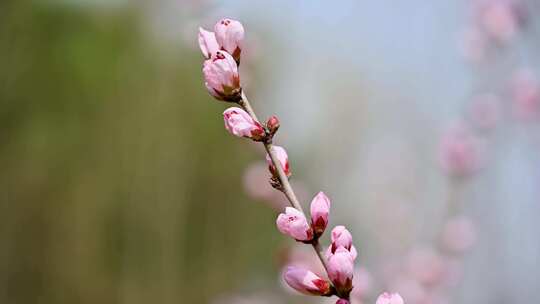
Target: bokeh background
x,y
119,183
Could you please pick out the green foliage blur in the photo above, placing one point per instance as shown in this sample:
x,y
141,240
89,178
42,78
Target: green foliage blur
x,y
118,181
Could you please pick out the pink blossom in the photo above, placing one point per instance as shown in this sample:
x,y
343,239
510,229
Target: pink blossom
x,y
230,36
459,234
342,301
255,181
294,224
283,160
499,19
526,95
320,207
459,151
389,298
239,123
341,270
207,43
362,283
425,265
411,289
306,282
221,76
341,237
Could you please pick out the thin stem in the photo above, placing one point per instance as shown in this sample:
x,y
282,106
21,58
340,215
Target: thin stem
x,y
320,254
283,179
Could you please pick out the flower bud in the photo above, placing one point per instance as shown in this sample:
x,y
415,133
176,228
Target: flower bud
x,y
342,301
341,270
460,152
239,123
341,238
459,234
221,76
272,124
525,88
320,207
389,298
230,36
283,160
294,224
208,43
306,282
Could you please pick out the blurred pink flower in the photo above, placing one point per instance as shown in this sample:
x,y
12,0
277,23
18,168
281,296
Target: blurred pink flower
x,y
342,301
362,283
341,270
257,186
283,160
389,298
207,43
221,76
305,281
526,95
485,111
294,224
410,289
460,151
239,123
499,19
230,36
459,234
320,208
425,265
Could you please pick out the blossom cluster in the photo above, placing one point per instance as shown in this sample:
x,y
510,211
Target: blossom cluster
x,y
222,50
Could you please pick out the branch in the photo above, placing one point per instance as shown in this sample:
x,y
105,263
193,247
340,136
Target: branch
x,y
283,179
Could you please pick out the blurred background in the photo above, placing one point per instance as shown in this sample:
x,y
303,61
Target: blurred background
x,y
119,183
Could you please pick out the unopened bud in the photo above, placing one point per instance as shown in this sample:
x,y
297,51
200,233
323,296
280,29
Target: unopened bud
x,y
272,124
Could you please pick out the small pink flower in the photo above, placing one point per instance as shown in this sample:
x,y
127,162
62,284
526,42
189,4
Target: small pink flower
x,y
499,19
207,43
306,282
255,181
239,123
526,95
425,265
230,36
320,207
283,160
341,270
362,283
341,237
294,224
221,76
459,234
342,301
460,151
389,298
